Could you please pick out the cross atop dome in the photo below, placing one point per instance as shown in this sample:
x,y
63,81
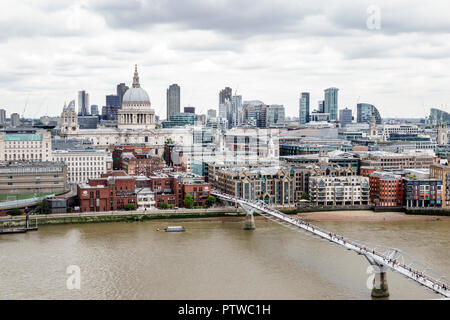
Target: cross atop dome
x,y
136,78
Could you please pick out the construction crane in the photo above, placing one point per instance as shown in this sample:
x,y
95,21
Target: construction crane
x,y
23,113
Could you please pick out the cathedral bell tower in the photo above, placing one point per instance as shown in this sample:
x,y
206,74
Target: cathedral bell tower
x,y
69,120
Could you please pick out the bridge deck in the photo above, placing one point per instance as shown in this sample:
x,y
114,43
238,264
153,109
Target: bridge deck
x,y
391,258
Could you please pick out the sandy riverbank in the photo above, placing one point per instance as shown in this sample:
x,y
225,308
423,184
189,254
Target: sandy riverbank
x,y
366,216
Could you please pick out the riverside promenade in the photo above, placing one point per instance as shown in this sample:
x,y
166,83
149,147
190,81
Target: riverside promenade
x,y
117,216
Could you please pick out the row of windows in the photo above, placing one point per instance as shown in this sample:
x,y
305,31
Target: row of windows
x,y
21,143
72,159
24,156
37,182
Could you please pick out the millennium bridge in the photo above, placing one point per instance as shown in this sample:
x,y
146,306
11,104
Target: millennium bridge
x,y
381,258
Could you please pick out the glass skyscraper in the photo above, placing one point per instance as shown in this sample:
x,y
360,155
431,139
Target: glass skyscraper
x,y
304,108
364,113
331,103
345,116
83,103
173,100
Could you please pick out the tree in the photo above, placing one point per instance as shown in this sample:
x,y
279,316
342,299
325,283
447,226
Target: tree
x,y
163,205
210,201
188,201
43,207
15,212
129,206
304,196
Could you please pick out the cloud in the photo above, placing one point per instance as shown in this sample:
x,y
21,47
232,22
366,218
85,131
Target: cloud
x,y
272,50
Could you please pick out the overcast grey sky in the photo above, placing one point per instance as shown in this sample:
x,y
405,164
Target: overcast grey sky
x,y
267,50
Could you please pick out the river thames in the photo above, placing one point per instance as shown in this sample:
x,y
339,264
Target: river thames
x,y
211,260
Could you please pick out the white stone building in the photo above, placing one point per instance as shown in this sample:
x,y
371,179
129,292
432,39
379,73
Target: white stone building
x,y
25,144
136,124
84,164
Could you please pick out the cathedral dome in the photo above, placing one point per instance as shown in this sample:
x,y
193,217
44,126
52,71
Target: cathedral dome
x,y
136,94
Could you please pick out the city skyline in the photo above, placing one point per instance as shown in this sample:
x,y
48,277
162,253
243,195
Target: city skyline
x,y
400,68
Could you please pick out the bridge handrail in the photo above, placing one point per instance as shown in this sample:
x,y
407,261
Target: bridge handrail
x,y
383,259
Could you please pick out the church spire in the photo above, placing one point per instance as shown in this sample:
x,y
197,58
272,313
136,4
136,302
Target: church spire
x,y
136,78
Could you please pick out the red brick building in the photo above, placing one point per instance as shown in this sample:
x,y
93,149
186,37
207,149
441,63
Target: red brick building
x,y
112,191
172,187
367,171
140,164
386,189
118,150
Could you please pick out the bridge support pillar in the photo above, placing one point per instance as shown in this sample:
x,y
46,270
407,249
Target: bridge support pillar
x,y
249,218
249,222
380,286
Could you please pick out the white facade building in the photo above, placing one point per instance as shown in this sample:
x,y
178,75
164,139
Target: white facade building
x,y
25,145
346,190
84,164
387,129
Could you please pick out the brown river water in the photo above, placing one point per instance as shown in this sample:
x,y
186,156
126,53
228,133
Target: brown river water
x,y
211,260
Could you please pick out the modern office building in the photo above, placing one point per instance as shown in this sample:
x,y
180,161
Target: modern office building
x,y
173,100
331,103
110,110
212,113
386,188
225,95
321,106
33,177
94,110
223,110
422,193
113,101
319,116
364,113
345,117
439,116
236,110
261,115
391,161
189,110
274,116
83,103
180,120
304,108
87,122
15,119
121,89
2,117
